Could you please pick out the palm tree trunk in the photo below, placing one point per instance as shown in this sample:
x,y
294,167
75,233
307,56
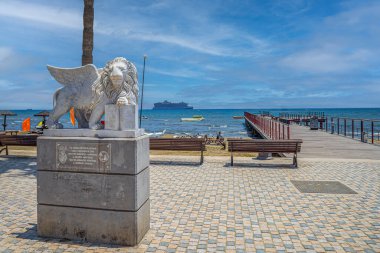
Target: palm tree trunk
x,y
88,32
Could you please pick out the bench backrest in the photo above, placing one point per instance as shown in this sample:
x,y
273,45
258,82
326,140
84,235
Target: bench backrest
x,y
186,144
275,146
18,140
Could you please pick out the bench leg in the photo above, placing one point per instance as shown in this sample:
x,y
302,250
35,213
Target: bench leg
x,y
4,148
295,163
201,157
232,159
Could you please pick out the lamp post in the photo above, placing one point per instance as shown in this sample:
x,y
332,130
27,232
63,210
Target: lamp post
x,y
142,90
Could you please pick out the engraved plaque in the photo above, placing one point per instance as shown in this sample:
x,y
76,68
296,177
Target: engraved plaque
x,y
75,156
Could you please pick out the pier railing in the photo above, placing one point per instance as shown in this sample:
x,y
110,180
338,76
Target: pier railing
x,y
303,118
365,130
271,128
301,115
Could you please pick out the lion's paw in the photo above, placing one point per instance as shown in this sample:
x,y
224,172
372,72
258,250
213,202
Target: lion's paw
x,y
122,101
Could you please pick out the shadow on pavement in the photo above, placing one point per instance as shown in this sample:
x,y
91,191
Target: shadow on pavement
x,y
261,165
18,166
31,234
175,163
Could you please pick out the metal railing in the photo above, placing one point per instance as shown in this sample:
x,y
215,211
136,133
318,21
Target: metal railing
x,y
303,119
301,115
272,128
365,130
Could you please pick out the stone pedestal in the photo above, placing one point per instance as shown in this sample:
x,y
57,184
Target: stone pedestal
x,y
93,189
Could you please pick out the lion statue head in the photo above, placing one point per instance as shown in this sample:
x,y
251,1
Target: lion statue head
x,y
118,76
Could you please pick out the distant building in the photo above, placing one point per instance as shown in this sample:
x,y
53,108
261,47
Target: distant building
x,y
166,105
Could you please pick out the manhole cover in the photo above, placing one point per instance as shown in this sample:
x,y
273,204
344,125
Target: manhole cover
x,y
333,187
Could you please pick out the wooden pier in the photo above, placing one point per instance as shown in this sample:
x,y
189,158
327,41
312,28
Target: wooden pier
x,y
321,144
316,143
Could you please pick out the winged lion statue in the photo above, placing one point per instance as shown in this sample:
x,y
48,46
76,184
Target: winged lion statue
x,y
88,90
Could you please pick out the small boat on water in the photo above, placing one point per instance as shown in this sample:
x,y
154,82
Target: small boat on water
x,y
238,117
194,118
191,119
156,134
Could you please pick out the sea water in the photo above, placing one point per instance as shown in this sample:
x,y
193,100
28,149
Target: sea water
x,y
216,120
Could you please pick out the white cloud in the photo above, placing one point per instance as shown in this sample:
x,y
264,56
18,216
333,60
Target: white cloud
x,y
12,61
290,8
5,53
226,41
346,42
325,94
205,36
176,73
6,85
42,13
178,40
186,28
7,59
326,61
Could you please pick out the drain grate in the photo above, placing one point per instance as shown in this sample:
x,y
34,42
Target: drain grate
x,y
333,187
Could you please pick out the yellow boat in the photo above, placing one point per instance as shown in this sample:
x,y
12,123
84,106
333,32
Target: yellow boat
x,y
194,118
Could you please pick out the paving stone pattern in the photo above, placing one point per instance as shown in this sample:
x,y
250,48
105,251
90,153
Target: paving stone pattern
x,y
215,207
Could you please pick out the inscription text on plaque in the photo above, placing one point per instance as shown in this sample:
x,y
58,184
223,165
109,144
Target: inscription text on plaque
x,y
79,156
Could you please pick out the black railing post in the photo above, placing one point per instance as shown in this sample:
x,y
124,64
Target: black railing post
x,y
5,122
345,127
362,130
338,126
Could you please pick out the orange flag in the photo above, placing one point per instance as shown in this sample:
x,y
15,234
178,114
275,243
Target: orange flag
x,y
72,116
26,125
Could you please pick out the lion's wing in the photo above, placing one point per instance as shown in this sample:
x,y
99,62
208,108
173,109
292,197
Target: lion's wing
x,y
85,75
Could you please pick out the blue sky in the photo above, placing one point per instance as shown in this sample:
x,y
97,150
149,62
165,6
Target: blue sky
x,y
211,54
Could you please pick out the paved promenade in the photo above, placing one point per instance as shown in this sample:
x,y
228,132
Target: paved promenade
x,y
214,207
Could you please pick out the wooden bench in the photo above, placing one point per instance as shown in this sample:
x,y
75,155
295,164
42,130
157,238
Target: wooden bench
x,y
265,146
180,144
17,140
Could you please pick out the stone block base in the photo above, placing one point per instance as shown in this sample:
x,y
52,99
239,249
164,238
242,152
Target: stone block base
x,y
93,225
93,189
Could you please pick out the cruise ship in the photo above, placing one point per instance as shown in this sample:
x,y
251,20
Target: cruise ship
x,y
166,105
